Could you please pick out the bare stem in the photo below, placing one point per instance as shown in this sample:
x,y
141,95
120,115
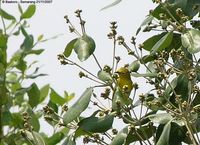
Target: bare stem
x,y
96,60
113,57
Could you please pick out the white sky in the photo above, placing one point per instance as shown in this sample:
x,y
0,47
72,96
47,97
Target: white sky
x,y
49,21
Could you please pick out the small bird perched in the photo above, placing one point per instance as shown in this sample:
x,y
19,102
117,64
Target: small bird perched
x,y
124,81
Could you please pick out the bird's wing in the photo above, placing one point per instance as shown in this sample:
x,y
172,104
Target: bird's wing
x,y
111,5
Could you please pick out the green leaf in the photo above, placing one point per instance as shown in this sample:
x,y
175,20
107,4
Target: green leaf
x,y
182,86
146,21
161,118
68,97
53,106
20,8
172,85
190,40
160,9
69,140
78,107
187,6
36,52
134,66
111,5
120,138
21,65
24,31
104,76
44,92
118,97
35,137
149,43
140,134
163,43
3,41
56,98
7,118
34,76
147,58
164,138
17,120
34,95
6,15
96,124
30,11
69,48
151,75
34,121
84,47
40,37
28,43
55,138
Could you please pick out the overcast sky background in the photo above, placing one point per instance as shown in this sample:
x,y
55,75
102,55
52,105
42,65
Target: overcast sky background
x,y
49,21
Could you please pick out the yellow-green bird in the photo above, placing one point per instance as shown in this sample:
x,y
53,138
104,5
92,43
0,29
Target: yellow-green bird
x,y
124,81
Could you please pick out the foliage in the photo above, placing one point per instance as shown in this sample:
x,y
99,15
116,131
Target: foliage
x,y
165,113
21,99
170,107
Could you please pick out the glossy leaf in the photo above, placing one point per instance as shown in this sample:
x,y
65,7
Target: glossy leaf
x,y
44,92
134,66
164,138
84,47
34,95
161,118
120,138
97,124
69,48
149,43
30,11
78,107
56,98
104,76
190,40
163,43
6,15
